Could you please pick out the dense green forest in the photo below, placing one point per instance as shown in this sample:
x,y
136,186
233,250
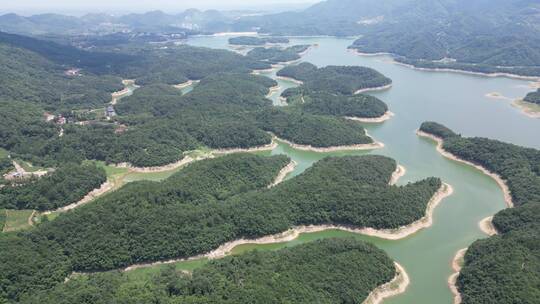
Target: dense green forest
x,y
256,41
323,103
277,55
6,165
335,79
313,130
26,76
533,97
208,204
504,34
66,185
530,71
504,268
300,274
162,124
2,219
518,166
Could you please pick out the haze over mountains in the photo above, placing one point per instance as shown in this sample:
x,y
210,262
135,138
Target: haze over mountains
x,y
505,33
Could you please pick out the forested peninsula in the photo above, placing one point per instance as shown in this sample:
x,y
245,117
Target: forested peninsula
x,y
504,268
203,206
533,97
335,79
303,273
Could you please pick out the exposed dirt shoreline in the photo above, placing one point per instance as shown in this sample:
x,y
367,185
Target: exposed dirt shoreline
x,y
502,184
289,79
400,171
381,88
452,280
487,227
186,84
283,173
387,115
522,106
104,188
497,74
371,146
291,234
393,288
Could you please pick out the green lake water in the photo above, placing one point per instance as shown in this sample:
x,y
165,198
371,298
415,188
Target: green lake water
x,y
456,100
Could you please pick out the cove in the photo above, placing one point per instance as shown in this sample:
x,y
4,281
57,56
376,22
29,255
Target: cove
x,y
456,100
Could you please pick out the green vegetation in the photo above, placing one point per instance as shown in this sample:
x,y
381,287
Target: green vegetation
x,y
518,166
530,71
424,31
313,130
533,97
335,79
255,41
28,77
299,274
2,219
66,185
220,200
277,55
437,129
504,268
17,219
322,103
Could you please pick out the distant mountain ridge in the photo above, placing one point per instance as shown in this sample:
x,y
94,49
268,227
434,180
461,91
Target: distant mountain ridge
x,y
44,24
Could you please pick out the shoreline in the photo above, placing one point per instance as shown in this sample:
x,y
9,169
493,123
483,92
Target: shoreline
x,y
272,90
396,175
381,88
502,184
386,116
450,70
115,96
103,189
184,85
497,95
393,288
495,74
184,161
452,280
371,146
289,79
293,233
283,173
270,146
188,159
487,227
522,106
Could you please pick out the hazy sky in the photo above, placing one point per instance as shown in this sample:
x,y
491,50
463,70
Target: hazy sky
x,y
117,6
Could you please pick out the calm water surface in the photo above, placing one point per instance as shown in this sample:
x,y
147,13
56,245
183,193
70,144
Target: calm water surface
x,y
456,100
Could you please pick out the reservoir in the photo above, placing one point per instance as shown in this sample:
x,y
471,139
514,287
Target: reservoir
x,y
456,100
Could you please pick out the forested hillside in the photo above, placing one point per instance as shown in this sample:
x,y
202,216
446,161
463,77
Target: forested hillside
x,y
335,79
505,33
304,277
323,103
533,97
204,206
66,185
26,76
504,268
160,123
277,55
